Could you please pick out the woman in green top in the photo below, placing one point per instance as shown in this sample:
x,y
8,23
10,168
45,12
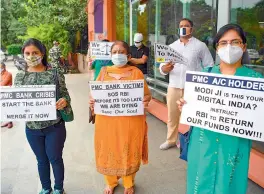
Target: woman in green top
x,y
98,64
218,163
46,138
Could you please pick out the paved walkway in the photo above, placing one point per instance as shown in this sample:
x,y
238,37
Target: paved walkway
x,y
165,174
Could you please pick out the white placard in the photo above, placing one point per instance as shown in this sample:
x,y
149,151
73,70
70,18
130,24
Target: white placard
x,y
28,103
230,105
101,50
164,54
118,98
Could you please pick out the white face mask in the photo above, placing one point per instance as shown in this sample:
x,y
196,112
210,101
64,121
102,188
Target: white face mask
x,y
230,54
119,60
33,61
138,44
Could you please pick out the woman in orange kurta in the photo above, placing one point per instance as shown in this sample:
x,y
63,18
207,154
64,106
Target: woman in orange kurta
x,y
121,141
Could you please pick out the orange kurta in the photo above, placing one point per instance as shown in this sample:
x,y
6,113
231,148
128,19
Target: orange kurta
x,y
121,141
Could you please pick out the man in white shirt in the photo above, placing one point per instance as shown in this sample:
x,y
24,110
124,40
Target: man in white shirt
x,y
198,56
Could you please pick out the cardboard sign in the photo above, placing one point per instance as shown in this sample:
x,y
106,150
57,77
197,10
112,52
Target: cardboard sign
x,y
118,98
165,54
230,105
28,103
101,50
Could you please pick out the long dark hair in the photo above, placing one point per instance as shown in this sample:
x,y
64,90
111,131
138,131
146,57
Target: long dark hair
x,y
40,46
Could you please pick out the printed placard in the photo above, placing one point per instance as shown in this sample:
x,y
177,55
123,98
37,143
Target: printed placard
x,y
101,50
28,103
165,54
118,98
230,105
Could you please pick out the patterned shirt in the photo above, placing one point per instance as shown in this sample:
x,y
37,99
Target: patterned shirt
x,y
44,78
55,55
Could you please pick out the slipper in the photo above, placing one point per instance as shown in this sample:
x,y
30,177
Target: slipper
x,y
129,191
166,146
4,125
9,125
109,190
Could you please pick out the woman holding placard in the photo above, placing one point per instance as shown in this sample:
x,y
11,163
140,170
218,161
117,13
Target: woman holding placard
x,y
121,141
46,138
218,163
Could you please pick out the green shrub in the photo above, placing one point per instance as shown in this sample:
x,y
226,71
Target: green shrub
x,y
14,49
47,33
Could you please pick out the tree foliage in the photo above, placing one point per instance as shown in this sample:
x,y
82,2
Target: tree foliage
x,y
69,13
47,20
11,28
14,49
248,18
47,33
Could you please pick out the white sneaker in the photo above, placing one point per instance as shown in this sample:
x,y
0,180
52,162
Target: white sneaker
x,y
166,146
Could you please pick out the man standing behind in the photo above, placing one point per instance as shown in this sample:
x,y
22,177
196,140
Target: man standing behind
x,y
55,56
198,56
139,54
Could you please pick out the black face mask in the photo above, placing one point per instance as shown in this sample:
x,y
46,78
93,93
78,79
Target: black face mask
x,y
184,31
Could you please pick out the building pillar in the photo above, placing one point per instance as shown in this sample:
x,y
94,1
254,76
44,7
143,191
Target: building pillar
x,y
110,20
186,10
91,20
126,22
101,20
223,17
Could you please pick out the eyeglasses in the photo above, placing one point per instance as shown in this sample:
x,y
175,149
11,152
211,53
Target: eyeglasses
x,y
231,42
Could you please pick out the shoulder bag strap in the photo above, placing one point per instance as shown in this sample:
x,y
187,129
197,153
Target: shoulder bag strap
x,y
56,81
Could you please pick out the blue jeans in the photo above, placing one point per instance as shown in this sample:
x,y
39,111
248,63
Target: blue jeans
x,y
47,144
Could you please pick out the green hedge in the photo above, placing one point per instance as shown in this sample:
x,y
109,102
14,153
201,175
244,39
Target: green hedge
x,y
14,49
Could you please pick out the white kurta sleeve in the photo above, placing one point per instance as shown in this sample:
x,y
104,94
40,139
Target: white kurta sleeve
x,y
206,57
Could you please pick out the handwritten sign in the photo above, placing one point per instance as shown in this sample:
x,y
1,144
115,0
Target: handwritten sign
x,y
230,105
164,54
118,98
28,103
101,50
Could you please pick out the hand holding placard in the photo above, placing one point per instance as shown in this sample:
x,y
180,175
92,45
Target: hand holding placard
x,y
118,98
167,67
166,54
225,104
29,103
